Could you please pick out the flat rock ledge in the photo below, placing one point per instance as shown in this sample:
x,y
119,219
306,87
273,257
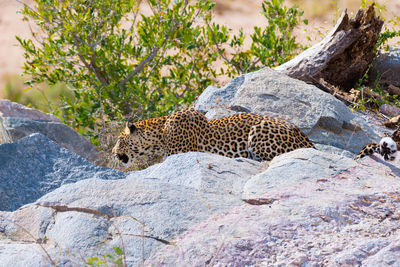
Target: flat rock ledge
x,y
147,209
347,215
197,209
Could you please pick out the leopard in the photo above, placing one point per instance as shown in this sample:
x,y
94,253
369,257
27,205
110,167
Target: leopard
x,y
387,147
246,135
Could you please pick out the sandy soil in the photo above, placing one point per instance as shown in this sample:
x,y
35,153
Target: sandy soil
x,y
11,24
235,13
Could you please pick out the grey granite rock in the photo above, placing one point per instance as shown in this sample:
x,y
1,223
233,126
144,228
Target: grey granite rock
x,y
339,214
65,136
35,165
12,109
385,68
203,172
18,121
307,207
270,93
160,202
302,164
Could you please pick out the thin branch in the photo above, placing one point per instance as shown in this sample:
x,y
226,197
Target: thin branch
x,y
140,66
96,69
37,241
149,58
253,65
165,242
121,240
219,50
64,208
154,52
133,24
92,65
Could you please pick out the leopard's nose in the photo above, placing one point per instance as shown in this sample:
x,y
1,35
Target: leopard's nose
x,y
123,157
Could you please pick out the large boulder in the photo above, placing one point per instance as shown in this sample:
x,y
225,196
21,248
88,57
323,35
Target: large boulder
x,y
321,116
305,165
35,165
203,172
18,121
148,209
12,109
340,213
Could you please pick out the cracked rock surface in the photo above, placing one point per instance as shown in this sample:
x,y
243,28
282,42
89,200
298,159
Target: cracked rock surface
x,y
306,207
146,209
347,216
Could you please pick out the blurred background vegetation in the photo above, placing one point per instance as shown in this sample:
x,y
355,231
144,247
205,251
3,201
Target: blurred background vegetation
x,y
235,13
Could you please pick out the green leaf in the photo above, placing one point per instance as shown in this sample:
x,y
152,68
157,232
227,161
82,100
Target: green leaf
x,y
118,250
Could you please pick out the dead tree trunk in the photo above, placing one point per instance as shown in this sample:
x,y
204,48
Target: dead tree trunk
x,y
343,56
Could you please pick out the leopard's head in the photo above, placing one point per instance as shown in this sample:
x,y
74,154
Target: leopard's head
x,y
135,141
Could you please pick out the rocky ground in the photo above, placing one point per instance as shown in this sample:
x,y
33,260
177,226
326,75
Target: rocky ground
x,y
307,207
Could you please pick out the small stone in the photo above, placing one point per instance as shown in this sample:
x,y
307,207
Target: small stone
x,y
386,68
389,110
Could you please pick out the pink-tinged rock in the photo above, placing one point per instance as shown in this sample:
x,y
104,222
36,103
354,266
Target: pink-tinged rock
x,y
12,109
351,218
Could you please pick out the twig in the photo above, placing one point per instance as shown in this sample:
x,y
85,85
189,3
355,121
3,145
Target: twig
x,y
64,208
150,57
140,66
219,50
92,65
122,240
36,241
166,242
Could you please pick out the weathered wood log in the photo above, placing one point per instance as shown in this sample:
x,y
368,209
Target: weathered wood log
x,y
343,56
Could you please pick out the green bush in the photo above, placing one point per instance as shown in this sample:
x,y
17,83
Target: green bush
x,y
121,63
271,46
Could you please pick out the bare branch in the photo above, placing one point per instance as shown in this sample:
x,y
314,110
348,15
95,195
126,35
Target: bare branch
x,y
149,57
140,66
155,51
37,241
64,208
219,50
92,65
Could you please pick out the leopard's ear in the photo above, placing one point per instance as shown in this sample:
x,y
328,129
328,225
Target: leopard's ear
x,y
130,128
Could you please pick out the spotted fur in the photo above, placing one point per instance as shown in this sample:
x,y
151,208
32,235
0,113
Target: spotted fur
x,y
241,135
387,148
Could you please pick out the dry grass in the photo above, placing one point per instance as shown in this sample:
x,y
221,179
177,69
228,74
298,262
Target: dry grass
x,y
108,135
